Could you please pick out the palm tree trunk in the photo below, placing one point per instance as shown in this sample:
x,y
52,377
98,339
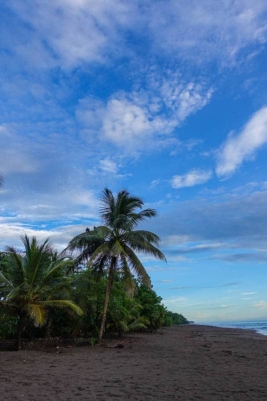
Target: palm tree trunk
x,y
48,326
108,291
20,325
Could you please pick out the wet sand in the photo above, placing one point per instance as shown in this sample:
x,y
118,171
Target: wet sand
x,y
184,363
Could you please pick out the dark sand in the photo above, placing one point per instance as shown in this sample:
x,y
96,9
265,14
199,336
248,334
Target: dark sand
x,y
184,363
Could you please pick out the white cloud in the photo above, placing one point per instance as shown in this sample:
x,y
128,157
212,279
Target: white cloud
x,y
10,234
190,179
143,120
108,166
239,148
171,240
248,293
127,124
13,231
198,31
174,300
70,33
155,182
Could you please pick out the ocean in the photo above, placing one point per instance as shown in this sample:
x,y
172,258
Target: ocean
x,y
259,326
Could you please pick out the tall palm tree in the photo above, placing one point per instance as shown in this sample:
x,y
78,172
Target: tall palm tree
x,y
36,283
115,243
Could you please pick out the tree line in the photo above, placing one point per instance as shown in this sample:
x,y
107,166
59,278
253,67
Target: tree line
x,y
97,285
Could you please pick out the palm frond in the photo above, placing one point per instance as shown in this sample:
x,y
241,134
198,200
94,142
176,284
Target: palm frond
x,y
12,306
4,282
144,246
86,243
58,266
138,236
17,266
102,250
117,248
36,258
107,207
136,266
64,304
140,323
37,313
145,214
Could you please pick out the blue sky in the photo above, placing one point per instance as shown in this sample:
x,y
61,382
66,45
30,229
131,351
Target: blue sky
x,y
166,99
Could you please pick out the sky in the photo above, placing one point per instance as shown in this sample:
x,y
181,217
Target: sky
x,y
165,99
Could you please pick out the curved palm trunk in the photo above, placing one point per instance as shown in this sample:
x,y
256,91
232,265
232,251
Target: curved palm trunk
x,y
48,326
19,333
108,291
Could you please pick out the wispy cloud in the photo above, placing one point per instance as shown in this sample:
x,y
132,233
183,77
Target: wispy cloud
x,y
174,300
235,283
186,28
242,147
69,33
191,249
261,305
109,166
72,33
155,182
248,293
144,120
223,218
190,179
242,257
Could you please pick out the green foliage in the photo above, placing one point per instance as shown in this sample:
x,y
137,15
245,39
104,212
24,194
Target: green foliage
x,y
152,308
174,319
139,308
113,246
8,325
5,264
35,282
43,293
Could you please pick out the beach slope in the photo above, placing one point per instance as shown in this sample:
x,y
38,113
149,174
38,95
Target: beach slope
x,y
190,362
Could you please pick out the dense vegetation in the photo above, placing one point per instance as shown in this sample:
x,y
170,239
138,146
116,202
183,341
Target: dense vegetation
x,y
89,289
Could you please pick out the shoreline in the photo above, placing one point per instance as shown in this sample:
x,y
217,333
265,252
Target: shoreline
x,y
236,327
190,362
246,331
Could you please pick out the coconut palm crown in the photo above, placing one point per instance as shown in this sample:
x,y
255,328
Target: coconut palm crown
x,y
115,244
36,282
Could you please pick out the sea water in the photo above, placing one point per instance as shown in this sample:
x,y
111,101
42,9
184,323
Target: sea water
x,y
259,326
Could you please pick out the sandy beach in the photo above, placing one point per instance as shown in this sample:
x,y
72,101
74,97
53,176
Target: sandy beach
x,y
183,363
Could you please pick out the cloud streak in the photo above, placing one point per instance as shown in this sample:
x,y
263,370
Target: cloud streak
x,y
71,33
239,148
220,219
214,33
208,286
190,179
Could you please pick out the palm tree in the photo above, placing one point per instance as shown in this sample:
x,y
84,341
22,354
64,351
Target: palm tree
x,y
114,244
35,284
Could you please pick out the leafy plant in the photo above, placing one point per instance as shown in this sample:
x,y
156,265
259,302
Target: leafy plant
x,y
114,244
36,283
